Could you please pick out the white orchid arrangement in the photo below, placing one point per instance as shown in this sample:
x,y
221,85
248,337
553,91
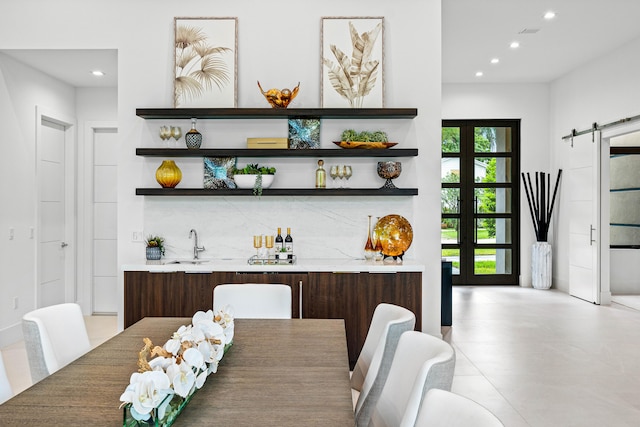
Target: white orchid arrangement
x,y
178,368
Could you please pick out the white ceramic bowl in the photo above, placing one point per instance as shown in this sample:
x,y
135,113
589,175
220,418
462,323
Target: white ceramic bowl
x,y
248,181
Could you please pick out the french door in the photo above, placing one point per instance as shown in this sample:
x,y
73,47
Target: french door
x,y
480,200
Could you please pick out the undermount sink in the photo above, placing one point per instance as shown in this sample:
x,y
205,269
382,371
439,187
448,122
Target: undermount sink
x,y
186,261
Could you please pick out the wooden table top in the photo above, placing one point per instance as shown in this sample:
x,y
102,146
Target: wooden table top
x,y
277,373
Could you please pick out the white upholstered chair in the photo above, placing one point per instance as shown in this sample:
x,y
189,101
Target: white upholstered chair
x,y
388,323
5,387
421,362
442,408
254,300
54,336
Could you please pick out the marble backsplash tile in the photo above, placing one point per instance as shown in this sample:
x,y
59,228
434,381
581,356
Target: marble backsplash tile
x,y
321,227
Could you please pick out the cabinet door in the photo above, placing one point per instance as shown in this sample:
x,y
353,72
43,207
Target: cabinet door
x,y
354,297
292,279
198,292
152,295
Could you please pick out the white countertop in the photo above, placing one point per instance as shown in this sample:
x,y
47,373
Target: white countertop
x,y
302,265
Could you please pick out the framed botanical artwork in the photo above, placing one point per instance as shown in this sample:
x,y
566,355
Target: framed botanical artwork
x,y
352,55
206,63
218,172
304,133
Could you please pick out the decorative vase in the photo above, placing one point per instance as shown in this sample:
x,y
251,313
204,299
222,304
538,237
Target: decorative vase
x,y
369,251
193,138
541,265
153,253
168,174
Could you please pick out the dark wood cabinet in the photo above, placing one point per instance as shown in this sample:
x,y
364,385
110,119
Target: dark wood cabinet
x,y
180,294
349,296
354,297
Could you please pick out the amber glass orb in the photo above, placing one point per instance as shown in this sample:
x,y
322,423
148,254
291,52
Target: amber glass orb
x,y
168,174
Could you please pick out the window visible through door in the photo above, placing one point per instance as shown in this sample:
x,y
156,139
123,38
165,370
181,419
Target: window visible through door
x,y
480,200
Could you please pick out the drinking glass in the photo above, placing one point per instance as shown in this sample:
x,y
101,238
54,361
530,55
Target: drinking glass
x,y
165,132
257,243
176,132
341,174
268,242
347,174
333,173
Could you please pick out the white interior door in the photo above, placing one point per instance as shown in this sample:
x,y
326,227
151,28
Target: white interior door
x,y
105,198
584,221
55,277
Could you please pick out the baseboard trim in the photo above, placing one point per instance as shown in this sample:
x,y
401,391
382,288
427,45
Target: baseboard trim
x,y
11,335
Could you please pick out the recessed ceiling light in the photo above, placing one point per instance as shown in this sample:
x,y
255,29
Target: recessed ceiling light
x,y
549,15
514,45
97,73
495,60
479,73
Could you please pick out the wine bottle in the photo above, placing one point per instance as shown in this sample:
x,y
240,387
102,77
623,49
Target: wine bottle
x,y
279,243
321,175
288,242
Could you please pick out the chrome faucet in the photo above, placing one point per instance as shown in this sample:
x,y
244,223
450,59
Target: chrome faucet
x,y
196,248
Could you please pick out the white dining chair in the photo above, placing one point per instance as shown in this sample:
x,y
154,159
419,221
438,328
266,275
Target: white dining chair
x,y
442,408
5,386
54,336
254,300
388,323
421,362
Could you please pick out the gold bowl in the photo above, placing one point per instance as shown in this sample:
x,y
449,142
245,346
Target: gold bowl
x,y
279,98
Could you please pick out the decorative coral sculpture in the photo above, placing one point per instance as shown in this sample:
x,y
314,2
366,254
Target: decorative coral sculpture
x,y
279,98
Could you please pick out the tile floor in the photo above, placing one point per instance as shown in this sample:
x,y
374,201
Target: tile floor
x,y
533,357
543,358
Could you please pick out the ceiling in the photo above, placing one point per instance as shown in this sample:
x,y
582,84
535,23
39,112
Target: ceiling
x,y
475,31
72,66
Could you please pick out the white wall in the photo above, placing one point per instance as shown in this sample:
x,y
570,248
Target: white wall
x,y
21,90
142,32
601,91
528,102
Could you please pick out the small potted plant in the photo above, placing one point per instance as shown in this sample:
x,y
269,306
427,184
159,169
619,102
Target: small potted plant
x,y
155,247
254,176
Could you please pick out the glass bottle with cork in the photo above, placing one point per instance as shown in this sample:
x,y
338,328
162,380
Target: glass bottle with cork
x,y
321,175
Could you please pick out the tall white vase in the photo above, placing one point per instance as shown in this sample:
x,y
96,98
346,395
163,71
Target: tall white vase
x,y
541,265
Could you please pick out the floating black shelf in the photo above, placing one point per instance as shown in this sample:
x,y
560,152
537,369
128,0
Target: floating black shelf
x,y
275,113
259,152
278,192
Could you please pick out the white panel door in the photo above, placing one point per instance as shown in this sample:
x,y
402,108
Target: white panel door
x,y
584,221
52,245
105,270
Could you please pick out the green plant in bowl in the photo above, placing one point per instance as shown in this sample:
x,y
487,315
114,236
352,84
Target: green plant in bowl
x,y
350,135
258,171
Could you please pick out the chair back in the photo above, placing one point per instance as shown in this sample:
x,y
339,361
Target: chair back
x,y
421,362
5,386
386,318
54,336
389,322
442,408
254,300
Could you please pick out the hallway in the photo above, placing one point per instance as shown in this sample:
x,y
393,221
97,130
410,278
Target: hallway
x,y
543,358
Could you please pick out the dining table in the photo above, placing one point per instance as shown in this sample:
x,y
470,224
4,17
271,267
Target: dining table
x,y
278,372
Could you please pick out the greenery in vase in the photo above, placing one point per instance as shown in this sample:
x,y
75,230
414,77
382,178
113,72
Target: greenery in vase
x,y
155,242
255,169
350,135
